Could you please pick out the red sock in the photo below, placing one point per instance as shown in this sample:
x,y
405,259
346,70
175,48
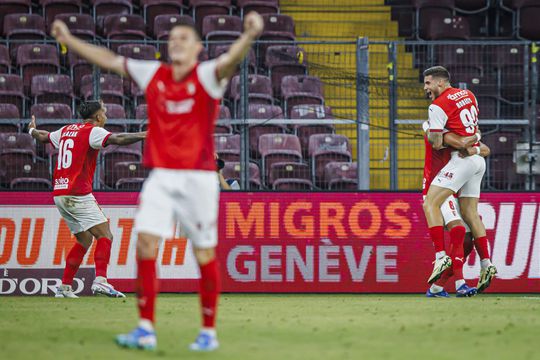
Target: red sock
x,y
209,292
437,236
73,261
102,255
444,277
147,288
457,235
481,245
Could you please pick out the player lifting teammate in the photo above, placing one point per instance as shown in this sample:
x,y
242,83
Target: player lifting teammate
x,y
455,110
78,147
183,101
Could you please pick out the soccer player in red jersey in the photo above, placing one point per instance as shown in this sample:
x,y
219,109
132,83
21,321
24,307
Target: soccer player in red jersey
x,y
456,111
183,99
435,160
78,147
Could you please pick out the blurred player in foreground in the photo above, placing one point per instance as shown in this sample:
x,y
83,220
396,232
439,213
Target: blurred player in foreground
x,y
456,111
183,100
78,147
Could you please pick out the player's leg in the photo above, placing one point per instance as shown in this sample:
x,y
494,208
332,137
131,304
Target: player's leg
x,y
197,211
154,220
468,202
74,259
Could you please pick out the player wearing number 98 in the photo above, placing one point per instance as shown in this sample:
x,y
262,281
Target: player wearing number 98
x,y
456,111
78,147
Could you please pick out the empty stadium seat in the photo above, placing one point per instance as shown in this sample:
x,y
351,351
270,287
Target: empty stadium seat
x,y
263,112
112,88
78,68
472,6
112,155
60,112
140,52
17,156
23,27
260,6
80,25
259,91
283,60
341,176
9,115
448,28
115,115
31,183
509,63
278,28
51,8
325,148
124,28
130,184
462,61
52,88
103,8
11,91
202,8
227,147
125,170
231,170
221,127
311,112
154,8
429,9
5,61
13,7
301,90
36,59
289,176
276,148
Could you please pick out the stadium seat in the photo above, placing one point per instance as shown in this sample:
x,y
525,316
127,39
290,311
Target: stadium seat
x,y
112,88
219,29
154,8
30,183
501,169
472,6
283,60
227,147
462,61
263,112
11,91
126,170
112,155
23,27
509,63
221,127
17,156
130,184
341,176
203,8
139,52
36,59
425,10
289,176
18,172
217,50
232,171
13,7
325,148
52,88
103,8
78,68
5,61
9,115
310,112
51,8
163,24
60,112
301,90
116,114
489,107
277,28
80,25
276,148
259,91
448,28
124,28
260,6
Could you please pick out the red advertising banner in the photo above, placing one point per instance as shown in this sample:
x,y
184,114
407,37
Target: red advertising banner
x,y
280,242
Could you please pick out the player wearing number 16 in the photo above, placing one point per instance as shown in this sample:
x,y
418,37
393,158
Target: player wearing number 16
x,y
78,147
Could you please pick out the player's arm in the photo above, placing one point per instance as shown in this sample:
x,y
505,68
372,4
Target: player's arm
x,y
227,63
435,138
98,55
460,142
125,138
483,150
40,135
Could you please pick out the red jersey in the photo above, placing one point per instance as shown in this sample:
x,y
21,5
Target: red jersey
x,y
181,114
455,110
78,147
434,161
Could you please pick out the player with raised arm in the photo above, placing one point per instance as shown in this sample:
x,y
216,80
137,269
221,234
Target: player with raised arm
x,y
78,147
456,111
183,99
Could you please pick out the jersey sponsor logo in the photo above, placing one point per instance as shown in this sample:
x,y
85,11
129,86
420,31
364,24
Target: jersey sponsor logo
x,y
458,95
61,183
180,107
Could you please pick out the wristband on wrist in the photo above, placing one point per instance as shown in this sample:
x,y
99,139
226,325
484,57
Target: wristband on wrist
x,y
478,136
477,150
31,130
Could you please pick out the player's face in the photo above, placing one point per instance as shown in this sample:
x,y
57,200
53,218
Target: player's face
x,y
432,87
184,45
101,116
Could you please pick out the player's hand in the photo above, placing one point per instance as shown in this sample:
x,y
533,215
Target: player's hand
x,y
32,124
467,152
60,31
253,24
143,134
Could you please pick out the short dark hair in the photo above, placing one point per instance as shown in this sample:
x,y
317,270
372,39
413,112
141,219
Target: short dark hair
x,y
438,71
187,24
87,109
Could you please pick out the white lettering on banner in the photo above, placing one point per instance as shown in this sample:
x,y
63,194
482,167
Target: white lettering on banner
x,y
523,240
242,265
488,215
534,269
32,286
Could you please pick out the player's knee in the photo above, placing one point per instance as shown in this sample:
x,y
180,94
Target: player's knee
x,y
454,223
146,247
204,256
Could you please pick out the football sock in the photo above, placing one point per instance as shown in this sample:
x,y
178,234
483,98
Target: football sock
x,y
481,245
459,283
102,255
444,277
209,292
440,254
457,234
436,288
146,325
437,236
147,288
73,261
484,263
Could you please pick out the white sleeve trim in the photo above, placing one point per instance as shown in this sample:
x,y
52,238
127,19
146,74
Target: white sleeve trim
x,y
54,137
141,71
437,118
97,138
207,73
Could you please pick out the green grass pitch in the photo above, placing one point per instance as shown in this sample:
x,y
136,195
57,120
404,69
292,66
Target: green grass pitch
x,y
280,327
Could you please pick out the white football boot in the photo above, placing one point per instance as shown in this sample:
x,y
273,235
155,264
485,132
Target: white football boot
x,y
65,291
101,286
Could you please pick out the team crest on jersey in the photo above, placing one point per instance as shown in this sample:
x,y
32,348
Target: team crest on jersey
x,y
191,88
